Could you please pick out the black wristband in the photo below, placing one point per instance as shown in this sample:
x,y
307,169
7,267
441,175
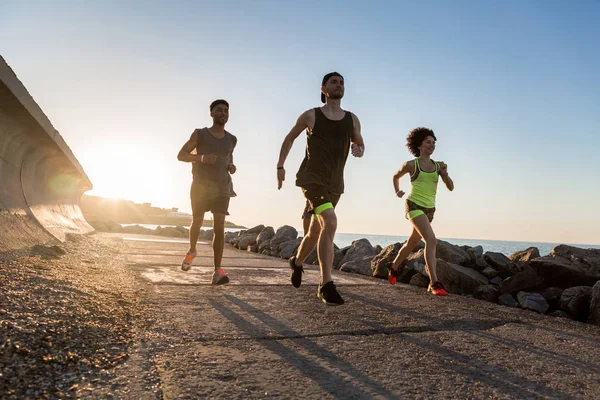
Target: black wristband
x,y
279,167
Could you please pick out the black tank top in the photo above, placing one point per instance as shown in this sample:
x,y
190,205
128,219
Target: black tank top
x,y
327,148
215,175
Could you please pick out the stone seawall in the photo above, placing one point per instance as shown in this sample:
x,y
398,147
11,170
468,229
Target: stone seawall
x,y
41,181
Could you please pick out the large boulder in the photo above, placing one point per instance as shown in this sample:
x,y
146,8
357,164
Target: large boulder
x,y
257,229
475,253
207,234
552,296
136,229
359,250
358,266
419,280
523,281
263,240
458,279
338,256
229,236
234,242
290,248
594,315
380,263
283,234
487,292
566,272
532,301
498,261
168,231
248,239
508,300
525,255
451,253
576,301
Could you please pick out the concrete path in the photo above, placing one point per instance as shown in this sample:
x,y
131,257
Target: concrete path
x,y
259,337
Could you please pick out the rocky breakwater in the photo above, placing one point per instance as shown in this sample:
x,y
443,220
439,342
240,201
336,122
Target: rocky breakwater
x,y
564,283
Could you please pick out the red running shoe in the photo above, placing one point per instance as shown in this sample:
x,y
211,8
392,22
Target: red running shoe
x,y
392,275
437,289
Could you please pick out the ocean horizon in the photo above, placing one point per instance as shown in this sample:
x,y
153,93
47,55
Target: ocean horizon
x,y
505,247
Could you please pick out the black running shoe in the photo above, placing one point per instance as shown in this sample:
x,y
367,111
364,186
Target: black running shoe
x,y
329,295
296,275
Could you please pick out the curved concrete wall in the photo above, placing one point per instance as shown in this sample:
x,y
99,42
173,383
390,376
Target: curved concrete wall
x,y
41,181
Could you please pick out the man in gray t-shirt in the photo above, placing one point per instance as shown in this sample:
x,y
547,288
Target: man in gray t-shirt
x,y
212,186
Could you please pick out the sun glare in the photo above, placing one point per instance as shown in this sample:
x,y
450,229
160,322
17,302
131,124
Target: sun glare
x,y
122,171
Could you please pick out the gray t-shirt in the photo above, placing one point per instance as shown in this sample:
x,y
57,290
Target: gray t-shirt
x,y
214,176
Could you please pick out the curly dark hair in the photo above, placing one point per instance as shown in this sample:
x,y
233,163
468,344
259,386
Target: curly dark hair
x,y
416,137
217,102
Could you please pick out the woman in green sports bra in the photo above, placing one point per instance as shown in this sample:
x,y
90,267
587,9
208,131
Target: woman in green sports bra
x,y
420,204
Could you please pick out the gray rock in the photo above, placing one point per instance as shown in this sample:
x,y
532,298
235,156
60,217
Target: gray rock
x,y
523,281
496,281
283,234
496,260
253,249
263,240
257,229
136,229
594,315
533,301
552,296
481,264
207,234
458,279
358,251
419,280
290,248
248,239
338,256
576,301
507,299
168,231
380,263
566,272
451,253
358,266
487,292
525,255
489,273
475,253
229,236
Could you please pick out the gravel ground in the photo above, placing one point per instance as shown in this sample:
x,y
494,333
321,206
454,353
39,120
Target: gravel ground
x,y
68,316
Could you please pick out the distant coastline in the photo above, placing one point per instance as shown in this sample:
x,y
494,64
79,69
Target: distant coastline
x,y
101,209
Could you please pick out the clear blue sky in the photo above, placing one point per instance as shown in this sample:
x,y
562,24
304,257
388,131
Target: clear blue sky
x,y
510,88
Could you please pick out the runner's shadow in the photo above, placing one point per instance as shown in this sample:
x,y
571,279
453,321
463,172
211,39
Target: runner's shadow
x,y
333,374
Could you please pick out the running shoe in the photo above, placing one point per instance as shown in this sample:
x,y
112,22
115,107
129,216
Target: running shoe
x,y
219,277
187,261
392,274
296,275
329,295
437,289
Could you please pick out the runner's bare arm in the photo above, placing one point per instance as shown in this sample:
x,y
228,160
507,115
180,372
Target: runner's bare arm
x,y
407,168
445,177
185,154
231,166
358,145
305,121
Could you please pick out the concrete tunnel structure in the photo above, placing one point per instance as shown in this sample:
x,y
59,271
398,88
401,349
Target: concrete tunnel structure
x,y
41,181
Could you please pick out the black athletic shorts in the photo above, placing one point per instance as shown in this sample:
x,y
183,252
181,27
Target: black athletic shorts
x,y
317,195
206,198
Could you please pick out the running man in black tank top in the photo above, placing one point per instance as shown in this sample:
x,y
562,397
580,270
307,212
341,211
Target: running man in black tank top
x,y
211,152
331,134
